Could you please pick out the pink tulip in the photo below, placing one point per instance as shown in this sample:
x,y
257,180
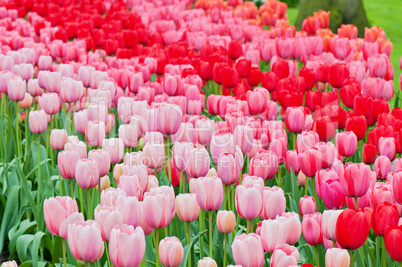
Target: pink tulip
x,y
346,143
382,192
102,158
95,133
184,134
131,185
71,90
26,102
126,246
229,167
279,147
38,121
179,150
305,140
272,234
49,102
397,186
66,163
24,70
291,223
273,202
221,143
284,255
153,138
129,134
378,65
129,207
247,250
307,205
9,264
356,180
329,219
153,155
45,62
311,227
209,192
85,241
58,138
158,209
294,119
248,201
206,262
171,252
337,257
169,118
56,210
16,89
310,161
198,162
81,121
382,166
226,221
250,181
87,173
204,128
84,74
243,137
98,112
107,218
264,165
332,195
187,208
50,81
33,88
257,100
291,161
115,148
387,147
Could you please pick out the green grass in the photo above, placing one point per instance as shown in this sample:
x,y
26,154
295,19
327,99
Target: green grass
x,y
388,15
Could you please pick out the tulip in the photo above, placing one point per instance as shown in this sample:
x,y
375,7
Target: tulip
x,y
264,165
294,119
157,209
284,255
369,153
85,241
257,101
336,257
247,250
126,238
104,183
309,161
356,180
243,137
382,166
311,227
209,192
198,162
393,242
273,234
352,229
115,148
131,185
384,215
358,125
273,202
56,210
307,205
248,202
81,121
9,264
332,195
37,121
187,208
171,251
207,262
87,173
95,133
226,221
26,102
107,218
292,162
58,138
66,162
102,158
153,155
229,168
16,89
329,219
337,74
129,134
346,143
221,143
387,147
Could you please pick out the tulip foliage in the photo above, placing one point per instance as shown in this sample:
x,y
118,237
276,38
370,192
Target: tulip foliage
x,y
195,133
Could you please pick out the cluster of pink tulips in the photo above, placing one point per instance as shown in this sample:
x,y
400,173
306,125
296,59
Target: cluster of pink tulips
x,y
208,133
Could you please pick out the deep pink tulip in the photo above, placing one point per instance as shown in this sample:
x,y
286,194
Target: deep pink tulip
x,y
284,255
169,118
107,217
310,161
115,148
38,121
87,173
85,241
247,250
356,180
307,205
346,143
126,246
153,155
16,89
332,195
171,252
56,210
292,162
397,186
387,147
273,202
58,138
328,227
102,158
294,119
198,162
248,201
187,208
229,167
95,133
209,192
311,227
257,100
226,221
131,185
264,165
382,166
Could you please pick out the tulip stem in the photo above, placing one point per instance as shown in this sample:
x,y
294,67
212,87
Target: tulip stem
x,y
26,135
210,234
352,258
168,158
279,177
60,185
72,188
157,247
249,226
306,186
294,140
384,253
400,264
316,255
107,254
201,226
226,247
229,197
225,196
356,205
39,178
63,243
233,187
17,131
183,182
89,204
188,242
81,199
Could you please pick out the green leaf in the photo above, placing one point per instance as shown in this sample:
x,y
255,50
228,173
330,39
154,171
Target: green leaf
x,y
187,248
10,214
23,244
40,237
25,227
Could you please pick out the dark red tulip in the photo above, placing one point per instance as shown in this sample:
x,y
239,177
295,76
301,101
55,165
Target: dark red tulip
x,y
269,80
352,229
235,50
393,242
254,78
281,69
338,73
358,125
325,128
384,214
309,77
243,67
369,153
229,77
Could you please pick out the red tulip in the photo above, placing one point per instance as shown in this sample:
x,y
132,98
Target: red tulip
x,y
358,125
229,76
325,128
369,153
384,215
254,77
352,229
269,81
348,92
393,242
309,77
281,69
